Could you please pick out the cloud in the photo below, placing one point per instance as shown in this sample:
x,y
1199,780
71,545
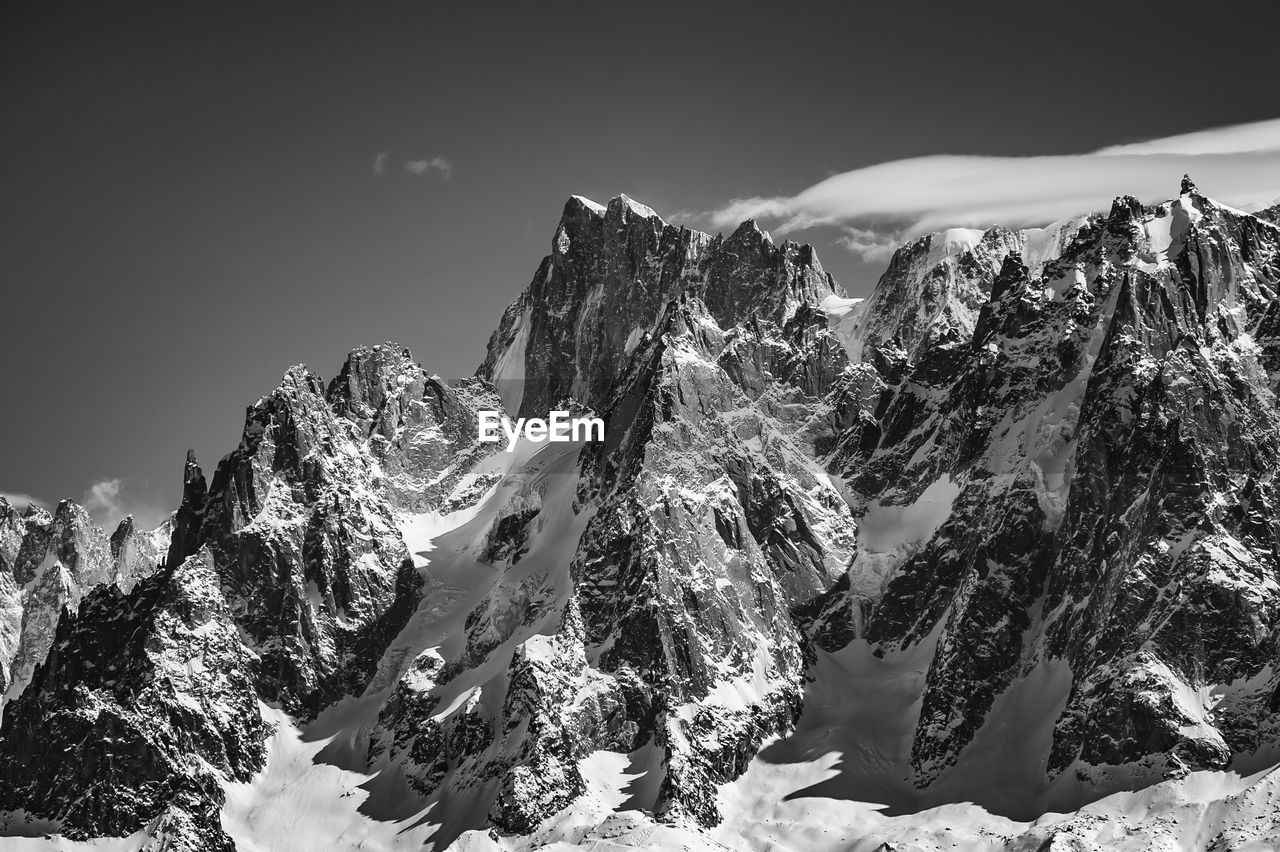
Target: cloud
x,y
871,245
380,163
108,503
1238,165
418,168
102,500
22,501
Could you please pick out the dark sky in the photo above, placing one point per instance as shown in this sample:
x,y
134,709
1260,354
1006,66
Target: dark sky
x,y
188,202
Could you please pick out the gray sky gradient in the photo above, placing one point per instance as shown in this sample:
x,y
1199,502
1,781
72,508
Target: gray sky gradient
x,y
196,196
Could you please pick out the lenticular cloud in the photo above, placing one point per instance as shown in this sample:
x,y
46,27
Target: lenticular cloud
x,y
1238,165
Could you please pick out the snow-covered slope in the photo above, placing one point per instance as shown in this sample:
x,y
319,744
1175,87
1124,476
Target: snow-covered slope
x,y
987,560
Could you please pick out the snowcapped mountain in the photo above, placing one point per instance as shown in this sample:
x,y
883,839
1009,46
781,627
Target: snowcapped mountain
x,y
987,560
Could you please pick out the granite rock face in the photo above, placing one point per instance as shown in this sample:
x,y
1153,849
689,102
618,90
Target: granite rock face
x,y
302,516
304,578
1043,450
1106,440
702,522
143,705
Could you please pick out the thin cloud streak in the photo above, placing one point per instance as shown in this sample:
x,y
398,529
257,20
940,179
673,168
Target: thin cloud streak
x,y
871,245
21,501
1235,138
418,168
1238,165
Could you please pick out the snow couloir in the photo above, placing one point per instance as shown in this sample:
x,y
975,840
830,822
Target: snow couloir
x,y
559,426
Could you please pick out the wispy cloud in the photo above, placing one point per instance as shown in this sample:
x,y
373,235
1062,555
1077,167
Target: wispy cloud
x,y
442,166
108,501
871,245
1238,165
418,168
102,500
22,501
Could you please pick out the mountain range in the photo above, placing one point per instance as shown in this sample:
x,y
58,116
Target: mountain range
x,y
989,559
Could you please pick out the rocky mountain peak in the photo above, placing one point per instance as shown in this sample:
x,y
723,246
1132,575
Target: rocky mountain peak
x,y
933,290
136,553
750,233
608,280
935,285
369,377
582,220
124,530
34,510
1124,210
190,513
624,207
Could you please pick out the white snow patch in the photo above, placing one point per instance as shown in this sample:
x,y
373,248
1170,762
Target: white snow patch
x,y
605,773
889,535
1166,233
637,208
298,804
1044,245
952,242
1159,232
843,316
737,694
595,208
310,793
39,835
1195,703
633,339
508,372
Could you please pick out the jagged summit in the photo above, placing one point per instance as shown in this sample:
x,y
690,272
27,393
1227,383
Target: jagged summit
x,y
634,207
936,284
750,231
620,208
624,205
581,201
370,372
606,283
